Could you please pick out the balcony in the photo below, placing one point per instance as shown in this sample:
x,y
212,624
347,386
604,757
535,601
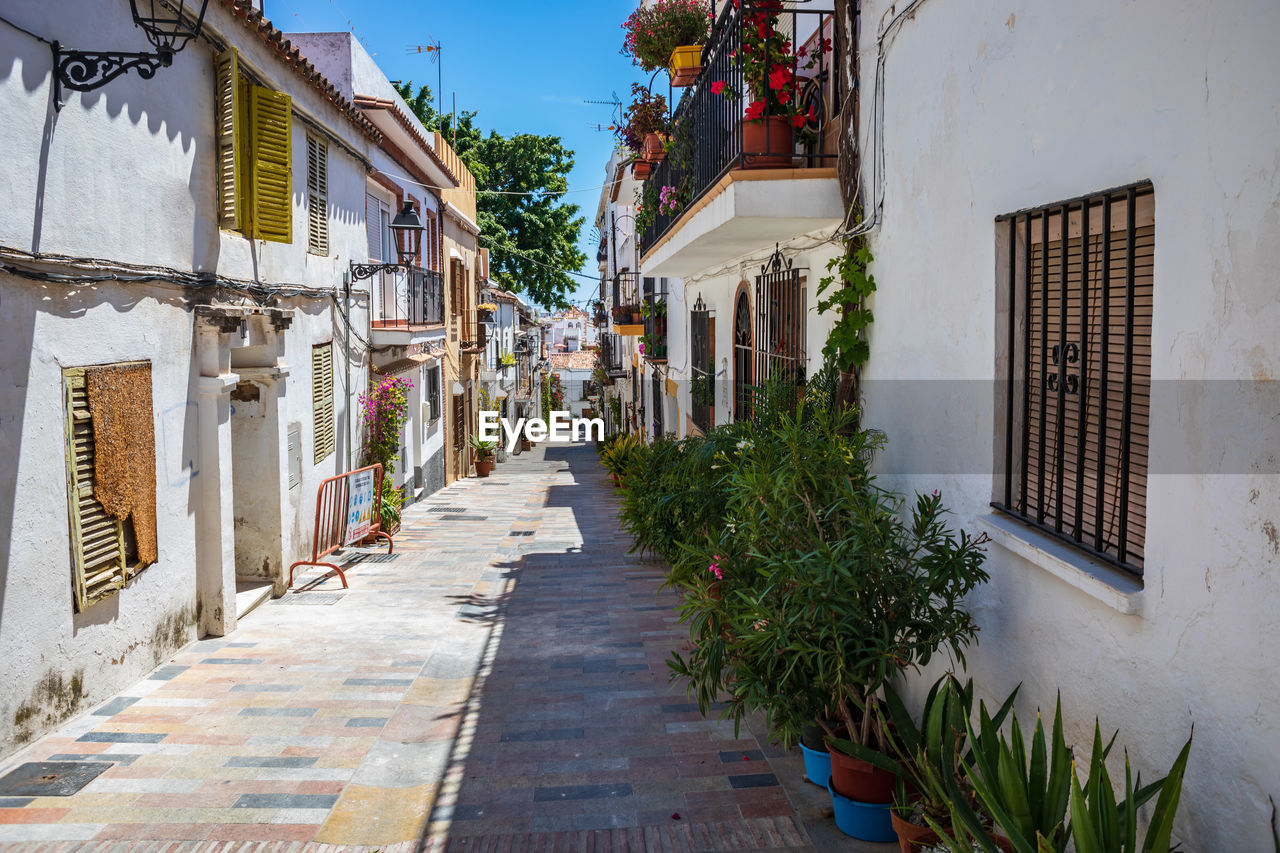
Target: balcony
x,y
611,355
627,317
475,333
742,185
654,310
407,307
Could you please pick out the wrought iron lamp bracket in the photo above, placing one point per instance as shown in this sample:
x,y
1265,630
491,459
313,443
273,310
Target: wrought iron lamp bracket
x,y
86,70
360,272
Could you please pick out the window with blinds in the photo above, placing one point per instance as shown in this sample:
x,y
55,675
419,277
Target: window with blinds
x,y
317,196
254,159
325,436
104,551
1079,294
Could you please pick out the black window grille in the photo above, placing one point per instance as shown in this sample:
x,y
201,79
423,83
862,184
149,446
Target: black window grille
x,y
658,387
702,390
433,392
743,359
1077,369
655,319
779,322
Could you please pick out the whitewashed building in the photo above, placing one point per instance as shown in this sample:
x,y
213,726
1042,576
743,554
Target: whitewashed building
x,y
175,364
1139,581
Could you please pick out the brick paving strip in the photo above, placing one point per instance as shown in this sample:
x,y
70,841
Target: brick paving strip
x,y
498,684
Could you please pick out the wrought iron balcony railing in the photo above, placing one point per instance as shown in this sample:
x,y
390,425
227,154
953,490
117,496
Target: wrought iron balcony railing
x,y
655,319
407,301
626,296
611,354
475,334
711,132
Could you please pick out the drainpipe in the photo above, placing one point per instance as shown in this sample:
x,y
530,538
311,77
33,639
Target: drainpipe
x,y
346,348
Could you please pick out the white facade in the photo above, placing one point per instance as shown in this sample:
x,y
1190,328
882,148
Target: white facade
x,y
126,176
994,108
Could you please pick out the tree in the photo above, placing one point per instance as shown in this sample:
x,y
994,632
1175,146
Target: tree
x,y
532,234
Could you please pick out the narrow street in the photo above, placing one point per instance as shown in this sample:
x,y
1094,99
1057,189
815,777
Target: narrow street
x,y
499,682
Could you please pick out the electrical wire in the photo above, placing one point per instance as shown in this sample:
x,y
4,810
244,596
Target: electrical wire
x,y
24,30
540,193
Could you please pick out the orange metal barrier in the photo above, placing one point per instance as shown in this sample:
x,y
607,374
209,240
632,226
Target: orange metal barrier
x,y
331,520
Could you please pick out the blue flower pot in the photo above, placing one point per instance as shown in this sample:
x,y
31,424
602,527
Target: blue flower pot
x,y
817,766
864,821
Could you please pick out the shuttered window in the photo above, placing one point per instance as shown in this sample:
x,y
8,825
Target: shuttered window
x,y
433,392
103,549
255,171
317,196
322,400
459,423
373,208
1079,383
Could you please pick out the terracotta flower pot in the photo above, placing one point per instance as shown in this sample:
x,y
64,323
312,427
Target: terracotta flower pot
x,y
654,149
768,143
858,780
911,837
484,467
640,169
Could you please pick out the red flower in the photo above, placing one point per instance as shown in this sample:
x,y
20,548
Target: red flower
x,y
755,110
717,87
826,45
798,121
780,78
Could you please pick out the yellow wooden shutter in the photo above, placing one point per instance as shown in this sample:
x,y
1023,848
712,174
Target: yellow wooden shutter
x,y
99,564
322,400
317,196
271,165
230,154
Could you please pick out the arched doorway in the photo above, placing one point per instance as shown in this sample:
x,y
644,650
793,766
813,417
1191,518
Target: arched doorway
x,y
742,359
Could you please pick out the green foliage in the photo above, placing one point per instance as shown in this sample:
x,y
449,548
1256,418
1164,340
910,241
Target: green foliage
x,y
647,113
620,453
1101,824
1026,795
646,206
847,343
390,506
532,233
508,359
482,449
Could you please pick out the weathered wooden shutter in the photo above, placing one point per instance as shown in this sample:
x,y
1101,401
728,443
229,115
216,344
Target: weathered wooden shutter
x,y
98,553
322,400
373,226
295,455
271,165
317,196
230,194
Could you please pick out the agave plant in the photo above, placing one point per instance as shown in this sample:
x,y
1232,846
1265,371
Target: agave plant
x,y
1101,824
1026,798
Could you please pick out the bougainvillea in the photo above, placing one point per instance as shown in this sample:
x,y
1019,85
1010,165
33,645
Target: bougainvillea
x,y
654,31
384,410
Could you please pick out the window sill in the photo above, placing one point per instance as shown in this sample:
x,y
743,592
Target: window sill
x,y
1112,587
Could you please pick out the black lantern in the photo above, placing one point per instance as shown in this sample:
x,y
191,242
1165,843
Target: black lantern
x,y
168,26
407,228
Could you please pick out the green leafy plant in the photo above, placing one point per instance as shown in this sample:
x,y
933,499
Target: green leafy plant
x,y
646,114
390,506
655,30
847,343
1026,794
929,759
482,449
1102,824
508,359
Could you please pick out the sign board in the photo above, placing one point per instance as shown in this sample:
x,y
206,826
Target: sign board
x,y
359,506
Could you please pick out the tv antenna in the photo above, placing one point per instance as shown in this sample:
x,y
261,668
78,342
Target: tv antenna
x,y
616,103
432,50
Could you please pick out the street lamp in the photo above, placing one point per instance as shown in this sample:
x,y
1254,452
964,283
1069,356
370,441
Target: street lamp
x,y
165,25
407,229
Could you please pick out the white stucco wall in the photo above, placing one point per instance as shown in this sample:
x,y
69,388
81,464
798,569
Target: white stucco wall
x,y
993,107
126,174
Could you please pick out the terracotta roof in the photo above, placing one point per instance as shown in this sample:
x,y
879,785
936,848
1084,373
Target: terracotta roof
x,y
256,21
580,360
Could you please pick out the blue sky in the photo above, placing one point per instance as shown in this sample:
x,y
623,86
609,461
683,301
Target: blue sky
x,y
524,66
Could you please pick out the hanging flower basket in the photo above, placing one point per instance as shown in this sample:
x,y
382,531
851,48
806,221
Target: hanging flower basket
x,y
685,65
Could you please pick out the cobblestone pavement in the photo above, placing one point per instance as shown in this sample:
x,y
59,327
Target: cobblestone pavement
x,y
498,683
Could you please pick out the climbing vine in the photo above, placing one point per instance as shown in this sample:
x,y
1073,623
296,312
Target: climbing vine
x,y
847,344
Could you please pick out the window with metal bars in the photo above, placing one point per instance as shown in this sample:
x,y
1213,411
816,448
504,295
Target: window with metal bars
x,y
433,392
459,423
779,333
658,386
1078,293
702,390
743,351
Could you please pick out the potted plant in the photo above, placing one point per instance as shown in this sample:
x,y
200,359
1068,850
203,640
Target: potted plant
x,y
486,310
641,169
773,112
484,455
645,117
669,33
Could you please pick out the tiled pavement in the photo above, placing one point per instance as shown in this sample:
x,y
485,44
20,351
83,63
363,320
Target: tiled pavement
x,y
499,683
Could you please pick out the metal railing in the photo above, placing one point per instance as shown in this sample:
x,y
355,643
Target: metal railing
x,y
475,333
611,354
409,300
711,135
655,319
626,296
